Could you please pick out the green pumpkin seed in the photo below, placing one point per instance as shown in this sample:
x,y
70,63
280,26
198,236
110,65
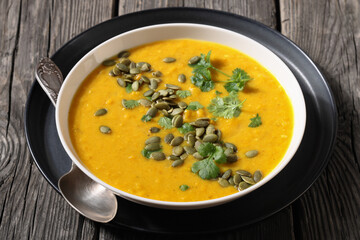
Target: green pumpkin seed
x,y
191,140
231,158
194,60
158,156
154,139
173,158
231,181
135,86
183,156
153,147
243,173
153,84
155,96
168,138
181,78
228,151
169,60
128,77
177,111
210,129
198,156
232,146
134,71
105,129
172,86
237,179
116,71
210,138
226,174
152,112
162,105
182,105
122,67
111,73
165,113
197,145
177,151
148,93
243,186
201,123
199,131
248,180
121,82
100,112
177,141
157,74
145,79
218,133
177,163
154,130
124,54
251,154
223,182
109,62
145,102
257,176
125,61
177,121
189,150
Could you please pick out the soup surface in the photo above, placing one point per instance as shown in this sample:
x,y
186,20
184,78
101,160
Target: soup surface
x,y
116,157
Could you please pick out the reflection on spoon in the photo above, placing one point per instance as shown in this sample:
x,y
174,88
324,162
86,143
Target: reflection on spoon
x,y
86,196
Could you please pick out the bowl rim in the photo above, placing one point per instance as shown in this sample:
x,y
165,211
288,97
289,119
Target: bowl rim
x,y
173,204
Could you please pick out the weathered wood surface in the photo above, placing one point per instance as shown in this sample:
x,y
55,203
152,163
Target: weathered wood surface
x,y
327,30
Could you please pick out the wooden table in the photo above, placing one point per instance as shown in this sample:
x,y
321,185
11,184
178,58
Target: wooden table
x,y
327,30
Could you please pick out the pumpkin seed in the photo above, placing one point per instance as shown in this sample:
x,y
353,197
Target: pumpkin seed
x,y
177,121
155,96
125,61
231,158
169,60
189,150
257,176
198,156
152,112
191,140
148,93
248,180
177,141
237,179
109,62
200,123
124,54
153,146
154,130
145,79
158,80
243,173
158,156
194,60
171,86
154,139
177,111
122,67
177,163
177,151
135,86
228,151
199,131
210,138
188,134
145,102
128,77
210,129
181,78
105,129
218,133
165,113
153,84
197,145
111,73
182,105
134,70
231,181
173,158
226,174
162,105
243,186
168,138
183,156
100,112
121,82
116,71
157,74
223,182
232,146
251,154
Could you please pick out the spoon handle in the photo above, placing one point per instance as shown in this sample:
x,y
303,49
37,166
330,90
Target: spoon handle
x,y
49,77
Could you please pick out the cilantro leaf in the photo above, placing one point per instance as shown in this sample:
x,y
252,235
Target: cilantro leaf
x,y
227,107
184,187
206,149
237,81
183,93
255,121
128,88
165,122
146,118
186,127
201,82
207,169
147,153
130,104
217,92
219,155
194,106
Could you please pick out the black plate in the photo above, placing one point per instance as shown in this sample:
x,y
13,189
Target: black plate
x,y
287,186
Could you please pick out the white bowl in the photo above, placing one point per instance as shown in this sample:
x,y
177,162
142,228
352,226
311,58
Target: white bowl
x,y
174,31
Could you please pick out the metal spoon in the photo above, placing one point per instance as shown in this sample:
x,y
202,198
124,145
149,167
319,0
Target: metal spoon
x,y
85,195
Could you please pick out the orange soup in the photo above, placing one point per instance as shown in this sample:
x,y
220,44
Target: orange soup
x,y
223,97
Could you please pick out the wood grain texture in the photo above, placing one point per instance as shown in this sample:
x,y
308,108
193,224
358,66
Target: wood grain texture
x,y
331,37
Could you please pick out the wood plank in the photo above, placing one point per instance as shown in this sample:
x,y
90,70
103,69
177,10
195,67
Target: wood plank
x,y
29,207
328,31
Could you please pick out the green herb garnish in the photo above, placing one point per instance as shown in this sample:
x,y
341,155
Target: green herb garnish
x,y
217,92
165,122
183,93
147,153
194,106
130,104
227,107
128,88
186,127
146,118
255,121
207,168
184,187
237,81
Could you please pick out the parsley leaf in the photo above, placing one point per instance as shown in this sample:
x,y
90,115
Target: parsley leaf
x,y
130,104
146,118
207,168
183,93
128,88
237,81
255,121
227,107
194,106
147,153
186,127
184,187
217,92
165,122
